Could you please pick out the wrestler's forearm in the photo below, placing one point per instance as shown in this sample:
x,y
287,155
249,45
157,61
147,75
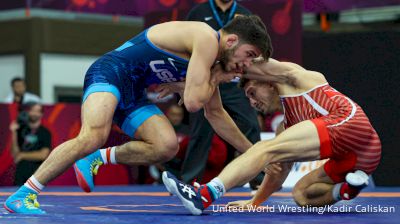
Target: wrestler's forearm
x,y
226,128
198,94
195,97
265,190
270,184
272,180
223,124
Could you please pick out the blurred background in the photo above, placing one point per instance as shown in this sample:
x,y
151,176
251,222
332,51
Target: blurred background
x,y
49,45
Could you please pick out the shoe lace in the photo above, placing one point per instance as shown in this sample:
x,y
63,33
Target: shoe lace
x,y
31,202
94,166
187,189
197,188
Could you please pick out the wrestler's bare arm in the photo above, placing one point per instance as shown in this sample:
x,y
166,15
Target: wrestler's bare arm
x,y
293,73
275,175
223,124
286,73
199,86
271,71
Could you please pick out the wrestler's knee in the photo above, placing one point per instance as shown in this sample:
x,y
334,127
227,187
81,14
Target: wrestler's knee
x,y
169,151
165,148
299,196
92,139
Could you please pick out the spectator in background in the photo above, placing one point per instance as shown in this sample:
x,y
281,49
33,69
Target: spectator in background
x,y
175,115
31,141
217,13
19,94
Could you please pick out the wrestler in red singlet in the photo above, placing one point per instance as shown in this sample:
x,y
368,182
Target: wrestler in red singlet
x,y
346,134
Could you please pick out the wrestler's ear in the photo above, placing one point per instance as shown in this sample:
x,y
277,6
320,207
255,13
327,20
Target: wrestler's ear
x,y
232,40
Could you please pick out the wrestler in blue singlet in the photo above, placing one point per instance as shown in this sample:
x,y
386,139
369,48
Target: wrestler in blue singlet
x,y
127,71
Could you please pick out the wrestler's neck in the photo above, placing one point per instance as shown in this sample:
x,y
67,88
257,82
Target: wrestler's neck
x,y
223,6
220,45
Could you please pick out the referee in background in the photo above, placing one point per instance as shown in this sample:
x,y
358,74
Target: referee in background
x,y
217,13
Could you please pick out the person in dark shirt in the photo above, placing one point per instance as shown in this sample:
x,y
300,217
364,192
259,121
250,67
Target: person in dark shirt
x,y
217,13
31,142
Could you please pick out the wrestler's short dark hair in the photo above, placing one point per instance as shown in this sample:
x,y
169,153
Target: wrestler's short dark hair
x,y
243,82
251,30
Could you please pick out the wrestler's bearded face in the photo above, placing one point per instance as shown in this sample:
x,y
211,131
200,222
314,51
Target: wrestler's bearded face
x,y
238,57
226,56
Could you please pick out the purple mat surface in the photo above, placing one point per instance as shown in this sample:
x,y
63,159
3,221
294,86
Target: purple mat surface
x,y
152,204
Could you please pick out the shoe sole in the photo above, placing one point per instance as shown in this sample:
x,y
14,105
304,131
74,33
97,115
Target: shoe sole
x,y
81,180
8,209
171,187
12,211
357,179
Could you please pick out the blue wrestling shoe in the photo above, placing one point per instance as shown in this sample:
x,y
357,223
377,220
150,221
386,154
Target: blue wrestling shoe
x,y
194,199
23,201
85,169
